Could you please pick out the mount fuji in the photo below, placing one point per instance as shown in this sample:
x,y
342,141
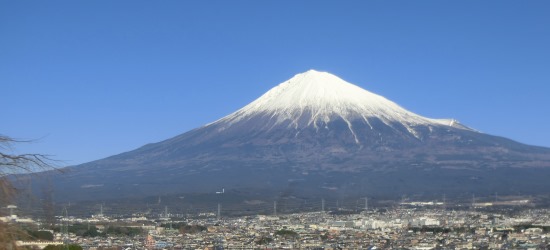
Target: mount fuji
x,y
317,134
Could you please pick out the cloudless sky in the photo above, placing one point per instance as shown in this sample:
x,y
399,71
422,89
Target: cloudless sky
x,y
90,79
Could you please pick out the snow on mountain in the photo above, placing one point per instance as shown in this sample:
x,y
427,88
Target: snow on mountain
x,y
315,98
320,130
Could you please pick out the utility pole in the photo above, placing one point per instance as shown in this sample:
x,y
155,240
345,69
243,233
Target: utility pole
x,y
444,203
219,210
275,208
366,203
473,202
323,205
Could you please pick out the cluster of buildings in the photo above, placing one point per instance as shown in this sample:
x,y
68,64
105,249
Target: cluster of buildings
x,y
401,228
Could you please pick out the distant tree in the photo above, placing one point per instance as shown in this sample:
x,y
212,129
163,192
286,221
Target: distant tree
x,y
63,247
191,229
12,163
124,231
286,233
84,230
92,232
41,235
264,240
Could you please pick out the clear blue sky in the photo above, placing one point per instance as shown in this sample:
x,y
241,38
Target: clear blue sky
x,y
91,79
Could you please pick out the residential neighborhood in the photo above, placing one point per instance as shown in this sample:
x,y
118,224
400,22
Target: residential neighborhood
x,y
411,227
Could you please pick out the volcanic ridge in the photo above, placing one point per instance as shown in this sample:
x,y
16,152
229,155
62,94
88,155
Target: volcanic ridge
x,y
317,134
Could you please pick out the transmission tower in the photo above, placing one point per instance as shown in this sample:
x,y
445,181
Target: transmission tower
x,y
65,227
473,202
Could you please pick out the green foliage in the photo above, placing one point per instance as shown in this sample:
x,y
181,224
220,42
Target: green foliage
x,y
286,233
425,229
92,232
41,235
123,231
264,240
79,228
63,247
173,225
84,230
192,229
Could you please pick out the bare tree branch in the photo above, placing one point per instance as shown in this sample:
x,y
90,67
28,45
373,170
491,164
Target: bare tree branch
x,y
21,163
12,164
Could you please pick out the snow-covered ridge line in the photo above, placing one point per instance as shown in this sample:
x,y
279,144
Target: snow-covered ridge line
x,y
321,96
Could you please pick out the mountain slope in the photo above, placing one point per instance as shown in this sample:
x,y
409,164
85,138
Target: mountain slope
x,y
322,131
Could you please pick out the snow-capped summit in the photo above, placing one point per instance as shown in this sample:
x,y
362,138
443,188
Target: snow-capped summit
x,y
316,98
323,95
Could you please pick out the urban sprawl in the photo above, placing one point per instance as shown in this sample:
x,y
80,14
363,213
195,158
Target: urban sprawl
x,y
414,226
